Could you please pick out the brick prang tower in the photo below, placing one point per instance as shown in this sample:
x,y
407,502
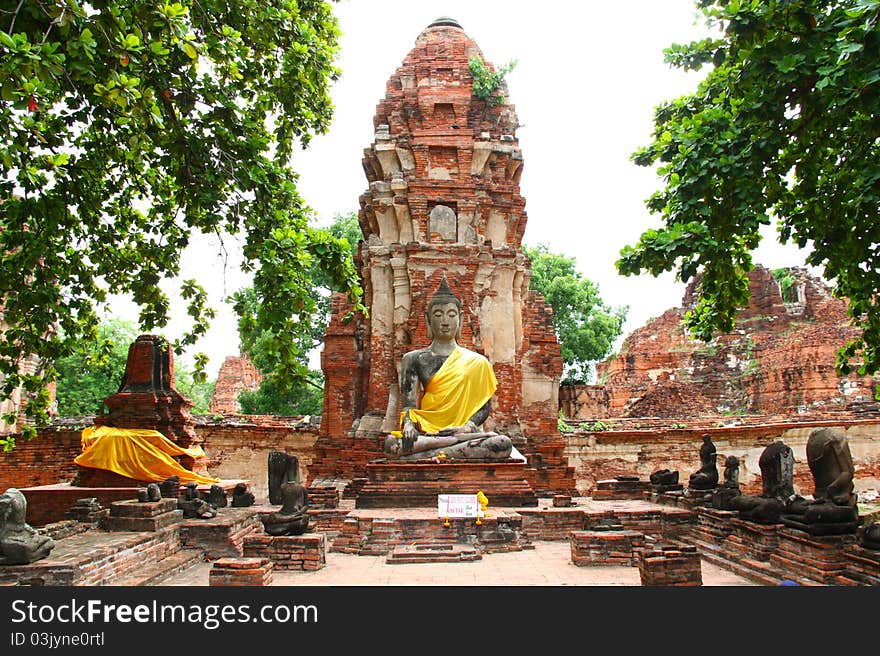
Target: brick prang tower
x,y
443,198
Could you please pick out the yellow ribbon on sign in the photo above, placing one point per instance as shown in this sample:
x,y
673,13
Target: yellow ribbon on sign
x,y
462,385
141,454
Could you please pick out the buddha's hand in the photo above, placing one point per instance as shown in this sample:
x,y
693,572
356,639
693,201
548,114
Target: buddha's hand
x,y
410,434
469,427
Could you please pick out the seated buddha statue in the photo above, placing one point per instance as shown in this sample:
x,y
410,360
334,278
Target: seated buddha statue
x,y
706,477
777,487
833,509
456,386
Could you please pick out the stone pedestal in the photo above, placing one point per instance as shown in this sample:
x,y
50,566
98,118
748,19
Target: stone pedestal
x,y
671,566
133,515
606,547
306,552
408,485
241,572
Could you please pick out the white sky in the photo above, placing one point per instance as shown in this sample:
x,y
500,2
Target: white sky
x,y
589,74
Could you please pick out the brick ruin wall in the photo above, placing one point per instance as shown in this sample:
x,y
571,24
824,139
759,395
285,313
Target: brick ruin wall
x,y
777,363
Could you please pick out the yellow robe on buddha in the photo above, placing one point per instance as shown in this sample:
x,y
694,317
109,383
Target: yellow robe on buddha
x,y
141,454
462,385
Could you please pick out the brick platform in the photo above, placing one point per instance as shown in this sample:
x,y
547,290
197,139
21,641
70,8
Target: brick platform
x,y
606,547
241,572
621,489
132,515
411,485
377,532
552,523
323,497
223,535
52,503
753,540
821,558
671,566
306,552
95,558
861,566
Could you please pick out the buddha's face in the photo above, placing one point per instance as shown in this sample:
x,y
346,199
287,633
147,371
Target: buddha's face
x,y
444,319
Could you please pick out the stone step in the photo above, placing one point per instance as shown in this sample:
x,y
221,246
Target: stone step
x,y
433,552
159,571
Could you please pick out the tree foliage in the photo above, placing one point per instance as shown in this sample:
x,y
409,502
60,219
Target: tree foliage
x,y
487,83
298,400
94,370
785,125
585,326
303,396
128,124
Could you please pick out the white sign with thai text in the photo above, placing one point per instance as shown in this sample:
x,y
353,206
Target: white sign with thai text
x,y
458,505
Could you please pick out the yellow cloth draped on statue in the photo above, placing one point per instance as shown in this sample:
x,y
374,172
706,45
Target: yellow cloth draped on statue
x,y
460,387
141,454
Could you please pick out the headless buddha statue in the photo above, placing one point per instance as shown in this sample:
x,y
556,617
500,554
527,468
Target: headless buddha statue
x,y
833,510
456,384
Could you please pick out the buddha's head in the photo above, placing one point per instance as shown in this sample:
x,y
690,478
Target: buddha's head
x,y
443,314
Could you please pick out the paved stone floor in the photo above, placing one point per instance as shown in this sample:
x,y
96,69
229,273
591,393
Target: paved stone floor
x,y
548,564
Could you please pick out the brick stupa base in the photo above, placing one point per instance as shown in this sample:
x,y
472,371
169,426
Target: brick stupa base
x,y
241,572
417,484
671,565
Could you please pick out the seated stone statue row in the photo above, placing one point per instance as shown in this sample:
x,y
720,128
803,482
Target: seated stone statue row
x,y
832,510
457,385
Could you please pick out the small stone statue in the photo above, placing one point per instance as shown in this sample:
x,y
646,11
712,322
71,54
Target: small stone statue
x,y
193,506
293,518
731,472
170,487
833,509
665,481
724,494
20,543
777,475
869,536
151,493
241,496
283,467
706,478
216,496
456,385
